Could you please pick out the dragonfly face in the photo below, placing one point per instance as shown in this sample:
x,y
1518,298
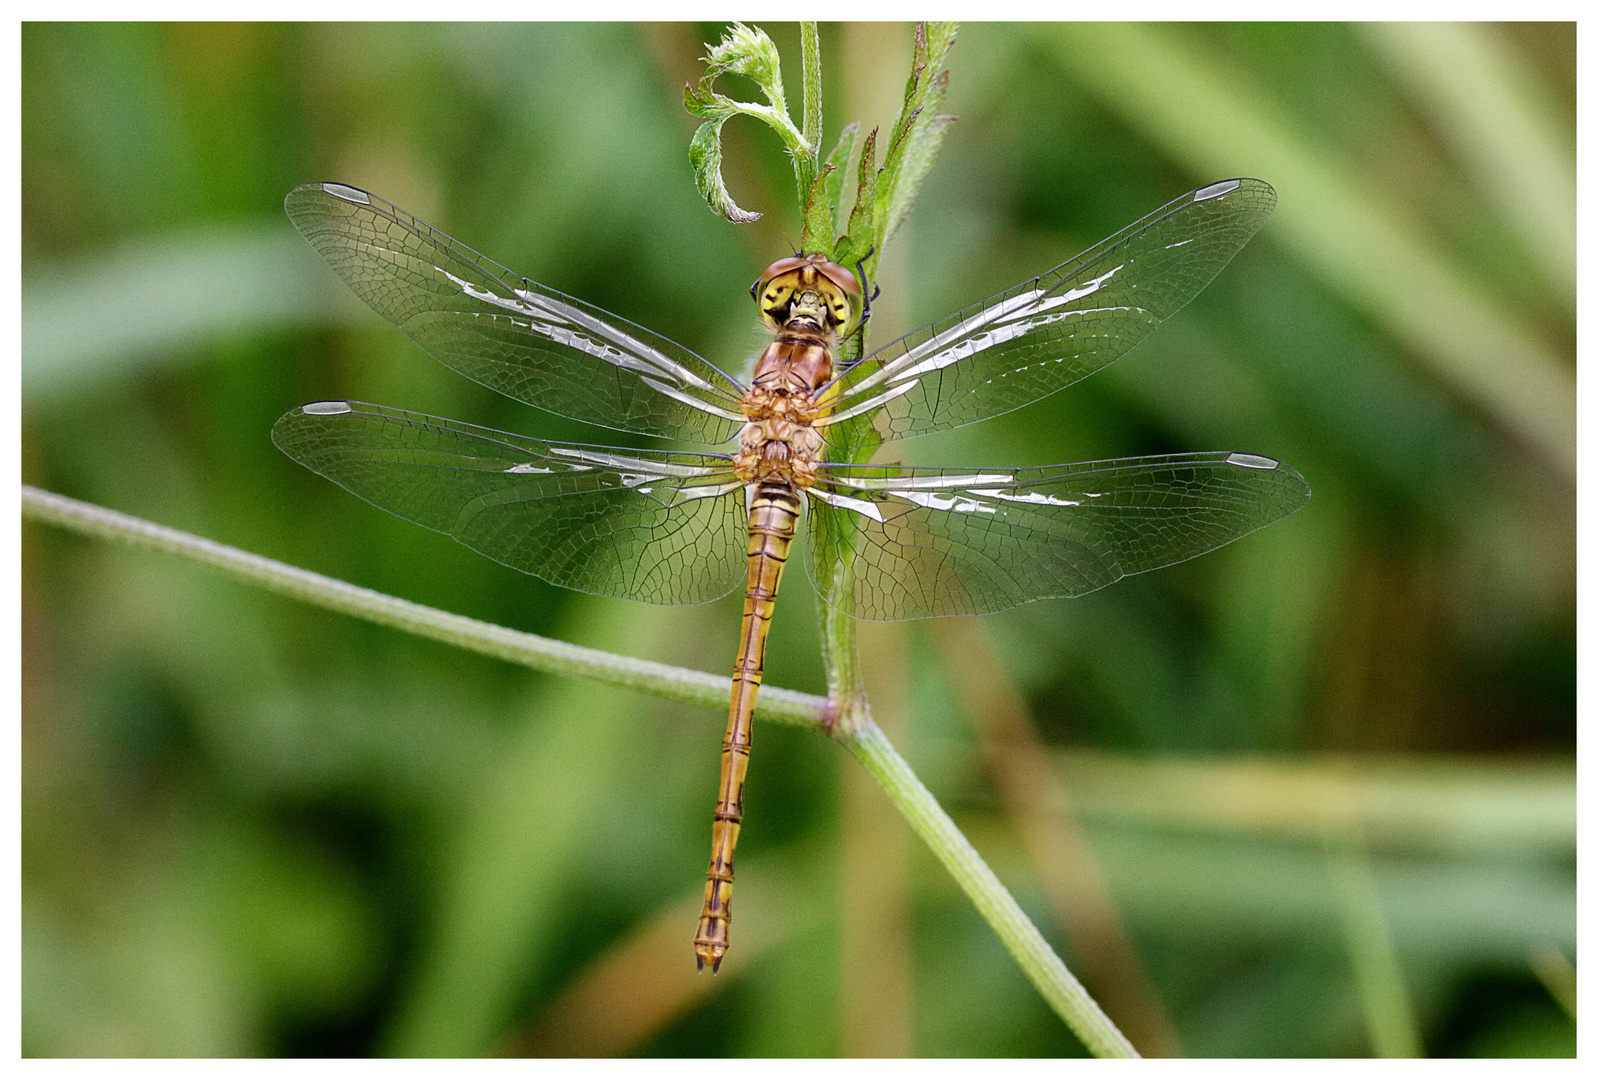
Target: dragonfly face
x,y
831,285
680,528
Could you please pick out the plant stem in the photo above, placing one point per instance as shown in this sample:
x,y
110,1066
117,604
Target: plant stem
x,y
1047,971
810,96
529,650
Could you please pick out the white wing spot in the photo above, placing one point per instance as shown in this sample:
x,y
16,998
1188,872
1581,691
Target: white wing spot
x,y
959,504
1215,191
1037,498
348,194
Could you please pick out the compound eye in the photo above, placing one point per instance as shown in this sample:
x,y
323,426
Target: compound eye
x,y
841,276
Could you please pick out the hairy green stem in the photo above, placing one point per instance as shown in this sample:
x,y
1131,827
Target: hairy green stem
x,y
529,650
938,831
810,95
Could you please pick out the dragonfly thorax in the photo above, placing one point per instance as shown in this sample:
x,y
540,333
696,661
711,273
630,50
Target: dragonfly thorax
x,y
779,442
776,450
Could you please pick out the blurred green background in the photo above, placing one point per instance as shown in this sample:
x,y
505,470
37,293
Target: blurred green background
x,y
1313,794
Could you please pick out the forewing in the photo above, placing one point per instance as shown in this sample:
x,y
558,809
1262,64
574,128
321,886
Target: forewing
x,y
668,528
1044,334
923,542
513,335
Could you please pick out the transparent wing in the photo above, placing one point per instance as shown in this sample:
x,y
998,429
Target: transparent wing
x,y
525,340
924,542
1044,334
668,528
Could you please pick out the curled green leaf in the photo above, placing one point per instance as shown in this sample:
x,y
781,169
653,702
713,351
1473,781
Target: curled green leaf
x,y
750,53
704,154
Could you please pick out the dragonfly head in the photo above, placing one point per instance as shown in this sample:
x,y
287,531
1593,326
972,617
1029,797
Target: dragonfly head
x,y
801,284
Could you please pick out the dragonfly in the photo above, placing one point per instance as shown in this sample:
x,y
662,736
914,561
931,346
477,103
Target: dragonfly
x,y
675,526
